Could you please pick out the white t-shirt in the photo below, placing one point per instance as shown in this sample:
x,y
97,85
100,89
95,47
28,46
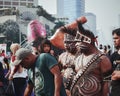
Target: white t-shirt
x,y
18,74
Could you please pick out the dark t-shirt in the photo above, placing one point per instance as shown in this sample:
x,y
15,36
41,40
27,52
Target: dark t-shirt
x,y
44,79
2,78
115,91
115,56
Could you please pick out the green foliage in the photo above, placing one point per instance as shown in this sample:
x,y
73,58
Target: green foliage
x,y
42,12
58,25
11,31
1,28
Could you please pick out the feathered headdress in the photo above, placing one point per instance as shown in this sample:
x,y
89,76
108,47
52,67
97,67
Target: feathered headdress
x,y
35,30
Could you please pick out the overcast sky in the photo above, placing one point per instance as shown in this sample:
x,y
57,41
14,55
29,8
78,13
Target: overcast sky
x,y
106,12
49,5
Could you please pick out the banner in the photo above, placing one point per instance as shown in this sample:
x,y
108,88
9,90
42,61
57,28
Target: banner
x,y
3,47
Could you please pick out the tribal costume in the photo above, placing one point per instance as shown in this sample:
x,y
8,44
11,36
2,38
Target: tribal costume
x,y
88,80
91,68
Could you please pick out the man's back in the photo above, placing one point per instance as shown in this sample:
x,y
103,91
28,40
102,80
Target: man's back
x,y
44,79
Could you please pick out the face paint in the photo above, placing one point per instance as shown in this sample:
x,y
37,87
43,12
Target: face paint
x,y
83,47
70,43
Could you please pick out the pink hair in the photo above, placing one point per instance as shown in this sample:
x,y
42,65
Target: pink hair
x,y
35,30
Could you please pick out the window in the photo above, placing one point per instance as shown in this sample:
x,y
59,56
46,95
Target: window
x,y
30,4
30,0
15,3
22,4
22,0
1,2
7,3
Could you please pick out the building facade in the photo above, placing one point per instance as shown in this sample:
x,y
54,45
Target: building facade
x,y
17,3
91,22
119,20
26,13
73,9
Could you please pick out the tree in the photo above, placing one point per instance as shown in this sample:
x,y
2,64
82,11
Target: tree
x,y
11,31
42,12
58,25
1,28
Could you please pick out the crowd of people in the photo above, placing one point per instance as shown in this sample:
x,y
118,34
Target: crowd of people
x,y
82,69
107,49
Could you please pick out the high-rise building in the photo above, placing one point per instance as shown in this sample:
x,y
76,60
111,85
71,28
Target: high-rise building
x,y
60,8
119,20
73,9
17,3
91,22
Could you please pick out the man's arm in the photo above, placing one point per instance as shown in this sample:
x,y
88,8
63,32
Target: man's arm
x,y
28,90
106,68
57,79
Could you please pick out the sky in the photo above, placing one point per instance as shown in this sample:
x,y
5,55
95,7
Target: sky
x,y
49,5
106,11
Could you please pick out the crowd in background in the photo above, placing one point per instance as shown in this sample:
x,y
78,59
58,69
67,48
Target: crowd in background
x,y
80,69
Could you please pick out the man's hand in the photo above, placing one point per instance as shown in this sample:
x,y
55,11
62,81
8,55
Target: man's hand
x,y
115,75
